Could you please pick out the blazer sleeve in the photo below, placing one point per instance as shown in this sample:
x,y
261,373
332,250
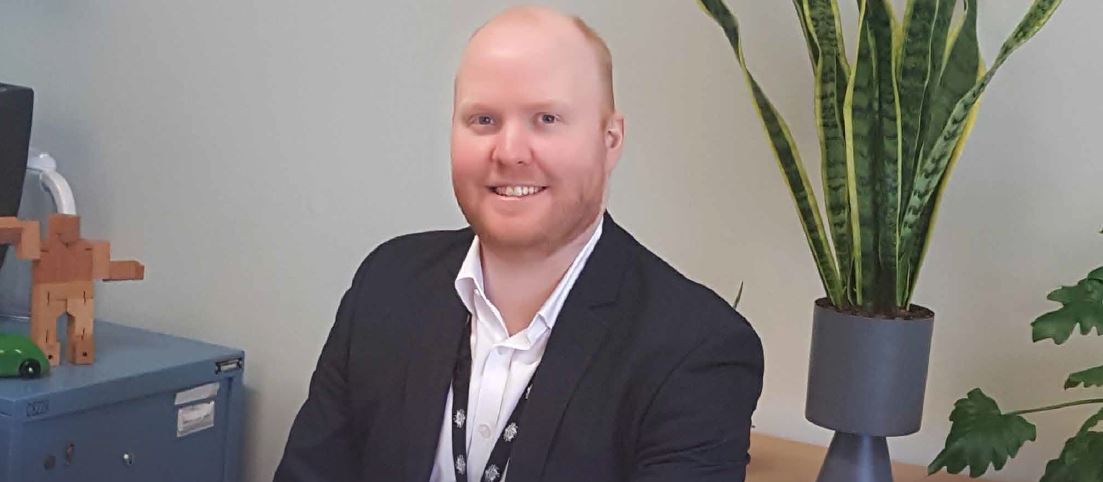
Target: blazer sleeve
x,y
321,446
697,428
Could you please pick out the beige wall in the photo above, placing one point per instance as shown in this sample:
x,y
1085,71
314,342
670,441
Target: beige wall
x,y
251,153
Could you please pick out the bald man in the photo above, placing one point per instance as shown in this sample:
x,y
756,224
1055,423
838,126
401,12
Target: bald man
x,y
542,342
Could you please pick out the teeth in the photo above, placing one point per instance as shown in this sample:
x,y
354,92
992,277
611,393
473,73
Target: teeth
x,y
517,191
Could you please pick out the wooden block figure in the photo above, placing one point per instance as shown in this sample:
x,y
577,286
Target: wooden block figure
x,y
64,270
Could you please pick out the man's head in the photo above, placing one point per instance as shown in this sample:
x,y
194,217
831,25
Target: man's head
x,y
535,134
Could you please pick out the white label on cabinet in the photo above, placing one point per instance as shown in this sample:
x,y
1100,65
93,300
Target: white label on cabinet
x,y
196,394
194,418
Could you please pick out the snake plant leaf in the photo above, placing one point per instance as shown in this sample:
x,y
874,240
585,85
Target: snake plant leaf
x,y
981,436
1092,377
957,75
863,139
738,296
922,229
940,34
803,14
1083,306
785,149
940,37
962,69
1080,459
823,16
809,37
933,166
882,28
912,77
842,67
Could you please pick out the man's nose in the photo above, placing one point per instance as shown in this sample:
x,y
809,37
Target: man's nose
x,y
513,145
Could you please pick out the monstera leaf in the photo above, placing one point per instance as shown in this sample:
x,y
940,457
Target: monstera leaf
x,y
1082,458
1083,305
1092,377
981,436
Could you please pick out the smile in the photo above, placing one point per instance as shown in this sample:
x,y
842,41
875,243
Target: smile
x,y
517,191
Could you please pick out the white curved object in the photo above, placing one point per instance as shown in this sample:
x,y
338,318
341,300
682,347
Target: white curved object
x,y
52,181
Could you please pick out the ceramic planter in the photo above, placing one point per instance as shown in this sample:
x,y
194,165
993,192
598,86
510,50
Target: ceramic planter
x,y
866,381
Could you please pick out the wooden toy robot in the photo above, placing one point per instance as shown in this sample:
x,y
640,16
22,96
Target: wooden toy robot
x,y
64,270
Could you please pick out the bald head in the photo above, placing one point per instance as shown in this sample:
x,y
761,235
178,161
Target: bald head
x,y
551,28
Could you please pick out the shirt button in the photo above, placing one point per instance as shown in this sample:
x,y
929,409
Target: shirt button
x,y
484,430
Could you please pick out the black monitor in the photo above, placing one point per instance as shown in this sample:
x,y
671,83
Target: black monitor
x,y
16,104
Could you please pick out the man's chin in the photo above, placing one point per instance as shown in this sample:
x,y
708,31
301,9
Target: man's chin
x,y
510,239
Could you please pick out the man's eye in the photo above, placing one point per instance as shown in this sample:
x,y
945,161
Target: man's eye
x,y
484,120
548,118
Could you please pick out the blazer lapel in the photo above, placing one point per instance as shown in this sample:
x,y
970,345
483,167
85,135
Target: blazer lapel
x,y
436,322
578,334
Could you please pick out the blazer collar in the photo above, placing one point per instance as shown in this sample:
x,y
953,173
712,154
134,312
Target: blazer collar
x,y
580,331
581,327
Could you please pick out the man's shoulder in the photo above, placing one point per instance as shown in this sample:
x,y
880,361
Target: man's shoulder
x,y
428,242
411,253
670,298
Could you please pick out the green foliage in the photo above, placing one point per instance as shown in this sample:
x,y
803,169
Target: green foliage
x,y
1092,377
890,132
1082,305
1082,458
981,436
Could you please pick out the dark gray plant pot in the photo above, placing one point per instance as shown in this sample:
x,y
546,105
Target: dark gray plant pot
x,y
866,380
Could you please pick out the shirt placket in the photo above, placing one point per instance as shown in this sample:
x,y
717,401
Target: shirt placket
x,y
488,399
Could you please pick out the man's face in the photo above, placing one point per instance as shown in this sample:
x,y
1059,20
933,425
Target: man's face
x,y
531,143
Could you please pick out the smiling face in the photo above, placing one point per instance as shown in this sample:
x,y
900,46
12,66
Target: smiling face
x,y
534,135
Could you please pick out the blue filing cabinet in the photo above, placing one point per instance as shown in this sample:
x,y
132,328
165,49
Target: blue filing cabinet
x,y
151,408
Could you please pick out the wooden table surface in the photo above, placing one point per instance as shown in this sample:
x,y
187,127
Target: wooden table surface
x,y
778,460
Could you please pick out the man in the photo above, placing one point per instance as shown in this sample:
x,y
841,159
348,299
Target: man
x,y
543,343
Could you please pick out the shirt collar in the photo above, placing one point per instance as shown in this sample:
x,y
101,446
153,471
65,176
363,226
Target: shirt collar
x,y
470,278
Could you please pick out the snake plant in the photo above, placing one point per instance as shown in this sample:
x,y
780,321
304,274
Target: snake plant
x,y
982,437
891,126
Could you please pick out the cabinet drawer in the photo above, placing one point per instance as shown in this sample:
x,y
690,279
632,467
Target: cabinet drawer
x,y
131,441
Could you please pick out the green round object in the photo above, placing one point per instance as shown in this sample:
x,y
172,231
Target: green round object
x,y
20,357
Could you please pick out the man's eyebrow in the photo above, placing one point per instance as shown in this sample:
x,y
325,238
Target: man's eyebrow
x,y
552,105
468,106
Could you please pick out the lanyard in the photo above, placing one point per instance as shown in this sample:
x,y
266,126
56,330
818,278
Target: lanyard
x,y
461,380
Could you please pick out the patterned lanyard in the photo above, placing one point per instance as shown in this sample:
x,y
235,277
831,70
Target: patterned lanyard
x,y
461,379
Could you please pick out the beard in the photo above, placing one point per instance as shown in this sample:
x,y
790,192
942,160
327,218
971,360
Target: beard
x,y
540,232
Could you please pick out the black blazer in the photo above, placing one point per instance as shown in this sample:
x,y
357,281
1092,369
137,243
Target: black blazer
x,y
647,375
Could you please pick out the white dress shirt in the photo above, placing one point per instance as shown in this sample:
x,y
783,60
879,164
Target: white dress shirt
x,y
502,365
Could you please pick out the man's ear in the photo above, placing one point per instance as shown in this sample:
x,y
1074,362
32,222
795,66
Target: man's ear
x,y
614,131
614,140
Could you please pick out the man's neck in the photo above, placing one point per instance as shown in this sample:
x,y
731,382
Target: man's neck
x,y
519,283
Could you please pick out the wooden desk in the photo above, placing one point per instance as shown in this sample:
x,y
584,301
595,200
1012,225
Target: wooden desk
x,y
778,460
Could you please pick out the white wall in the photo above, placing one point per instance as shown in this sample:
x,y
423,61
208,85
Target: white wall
x,y
250,153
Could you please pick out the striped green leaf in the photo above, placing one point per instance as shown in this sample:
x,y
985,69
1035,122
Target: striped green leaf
x,y
823,15
940,33
787,156
863,140
961,71
924,227
931,171
806,29
958,74
804,14
842,67
912,78
884,32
